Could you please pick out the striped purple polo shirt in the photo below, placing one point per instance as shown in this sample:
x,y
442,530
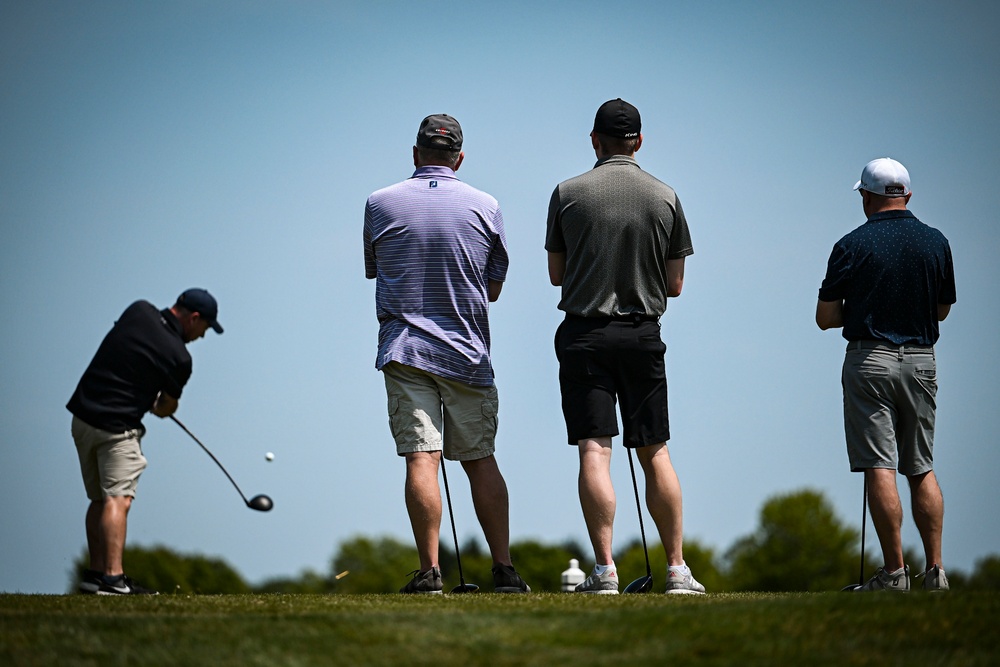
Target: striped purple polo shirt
x,y
432,243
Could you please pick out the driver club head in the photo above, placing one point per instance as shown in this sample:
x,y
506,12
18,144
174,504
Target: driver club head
x,y
465,588
261,503
640,585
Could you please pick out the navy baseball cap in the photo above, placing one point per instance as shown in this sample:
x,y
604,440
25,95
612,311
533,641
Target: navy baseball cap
x,y
618,118
440,131
200,301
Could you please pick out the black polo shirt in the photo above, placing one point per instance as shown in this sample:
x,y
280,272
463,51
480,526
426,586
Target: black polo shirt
x,y
143,354
891,272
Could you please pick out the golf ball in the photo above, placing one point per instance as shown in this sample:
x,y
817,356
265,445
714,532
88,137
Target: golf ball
x,y
269,456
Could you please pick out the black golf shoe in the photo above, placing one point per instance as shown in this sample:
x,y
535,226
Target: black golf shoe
x,y
122,585
90,582
507,580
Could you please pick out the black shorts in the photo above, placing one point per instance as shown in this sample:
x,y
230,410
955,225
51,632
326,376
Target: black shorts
x,y
603,361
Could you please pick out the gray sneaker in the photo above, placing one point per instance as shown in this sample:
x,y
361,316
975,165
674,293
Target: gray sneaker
x,y
897,582
600,584
683,583
934,578
424,583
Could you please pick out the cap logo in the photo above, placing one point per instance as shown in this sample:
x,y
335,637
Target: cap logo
x,y
895,190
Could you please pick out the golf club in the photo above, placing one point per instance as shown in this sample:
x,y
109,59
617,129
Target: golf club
x,y
642,584
261,503
462,587
864,523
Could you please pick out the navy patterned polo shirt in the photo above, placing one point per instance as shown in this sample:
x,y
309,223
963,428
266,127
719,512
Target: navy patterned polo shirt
x,y
891,272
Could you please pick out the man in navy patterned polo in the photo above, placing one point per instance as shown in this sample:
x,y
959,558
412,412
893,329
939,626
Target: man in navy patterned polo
x,y
437,251
888,284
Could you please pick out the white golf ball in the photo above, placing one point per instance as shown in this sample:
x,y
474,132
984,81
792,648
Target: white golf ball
x,y
269,456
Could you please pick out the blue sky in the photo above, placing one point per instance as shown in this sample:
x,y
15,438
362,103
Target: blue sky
x,y
150,147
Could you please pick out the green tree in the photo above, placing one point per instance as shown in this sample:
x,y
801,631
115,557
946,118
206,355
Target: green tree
x,y
800,545
373,565
167,571
986,574
309,581
542,565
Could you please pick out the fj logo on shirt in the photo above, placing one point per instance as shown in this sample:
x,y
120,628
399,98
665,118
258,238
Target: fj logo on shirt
x,y
433,184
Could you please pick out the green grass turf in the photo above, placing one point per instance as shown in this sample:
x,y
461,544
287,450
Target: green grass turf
x,y
537,629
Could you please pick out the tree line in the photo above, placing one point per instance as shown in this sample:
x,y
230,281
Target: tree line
x,y
799,545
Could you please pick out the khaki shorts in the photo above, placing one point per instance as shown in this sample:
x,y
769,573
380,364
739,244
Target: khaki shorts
x,y
110,462
426,410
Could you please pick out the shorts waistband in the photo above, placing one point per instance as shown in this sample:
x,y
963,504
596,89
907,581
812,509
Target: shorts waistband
x,y
632,317
886,345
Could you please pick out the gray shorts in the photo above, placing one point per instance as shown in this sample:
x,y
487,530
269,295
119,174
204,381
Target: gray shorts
x,y
428,413
889,407
110,462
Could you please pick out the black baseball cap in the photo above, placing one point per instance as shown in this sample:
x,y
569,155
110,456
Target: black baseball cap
x,y
200,301
618,118
440,131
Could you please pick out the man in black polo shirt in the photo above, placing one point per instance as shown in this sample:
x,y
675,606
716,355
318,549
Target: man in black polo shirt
x,y
141,366
888,284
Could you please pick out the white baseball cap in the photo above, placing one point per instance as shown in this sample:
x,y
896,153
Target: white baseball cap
x,y
884,176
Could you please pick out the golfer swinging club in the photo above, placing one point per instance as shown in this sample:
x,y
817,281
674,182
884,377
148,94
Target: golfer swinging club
x,y
141,366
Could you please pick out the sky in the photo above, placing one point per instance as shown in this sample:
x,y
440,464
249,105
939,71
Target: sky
x,y
150,147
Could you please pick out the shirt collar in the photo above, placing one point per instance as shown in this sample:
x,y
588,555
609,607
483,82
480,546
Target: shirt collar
x,y
434,171
171,322
616,159
894,214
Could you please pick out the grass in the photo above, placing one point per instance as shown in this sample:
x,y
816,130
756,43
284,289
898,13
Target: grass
x,y
537,629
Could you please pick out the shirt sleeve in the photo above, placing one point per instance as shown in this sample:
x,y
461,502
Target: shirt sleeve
x,y
554,240
496,265
680,236
371,269
946,293
838,270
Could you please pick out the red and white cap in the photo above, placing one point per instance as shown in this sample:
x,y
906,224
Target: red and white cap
x,y
884,176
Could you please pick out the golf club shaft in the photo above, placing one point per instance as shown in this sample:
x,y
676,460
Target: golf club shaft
x,y
221,467
451,515
864,523
638,507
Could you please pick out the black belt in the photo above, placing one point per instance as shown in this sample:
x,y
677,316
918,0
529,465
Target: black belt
x,y
630,317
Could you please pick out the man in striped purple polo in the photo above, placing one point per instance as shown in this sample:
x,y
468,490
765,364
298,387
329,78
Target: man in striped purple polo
x,y
437,251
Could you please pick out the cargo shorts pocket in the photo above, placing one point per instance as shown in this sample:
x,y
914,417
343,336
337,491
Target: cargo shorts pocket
x,y
395,425
490,420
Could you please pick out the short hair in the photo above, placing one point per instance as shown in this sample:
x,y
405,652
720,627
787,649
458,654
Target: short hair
x,y
439,156
616,145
